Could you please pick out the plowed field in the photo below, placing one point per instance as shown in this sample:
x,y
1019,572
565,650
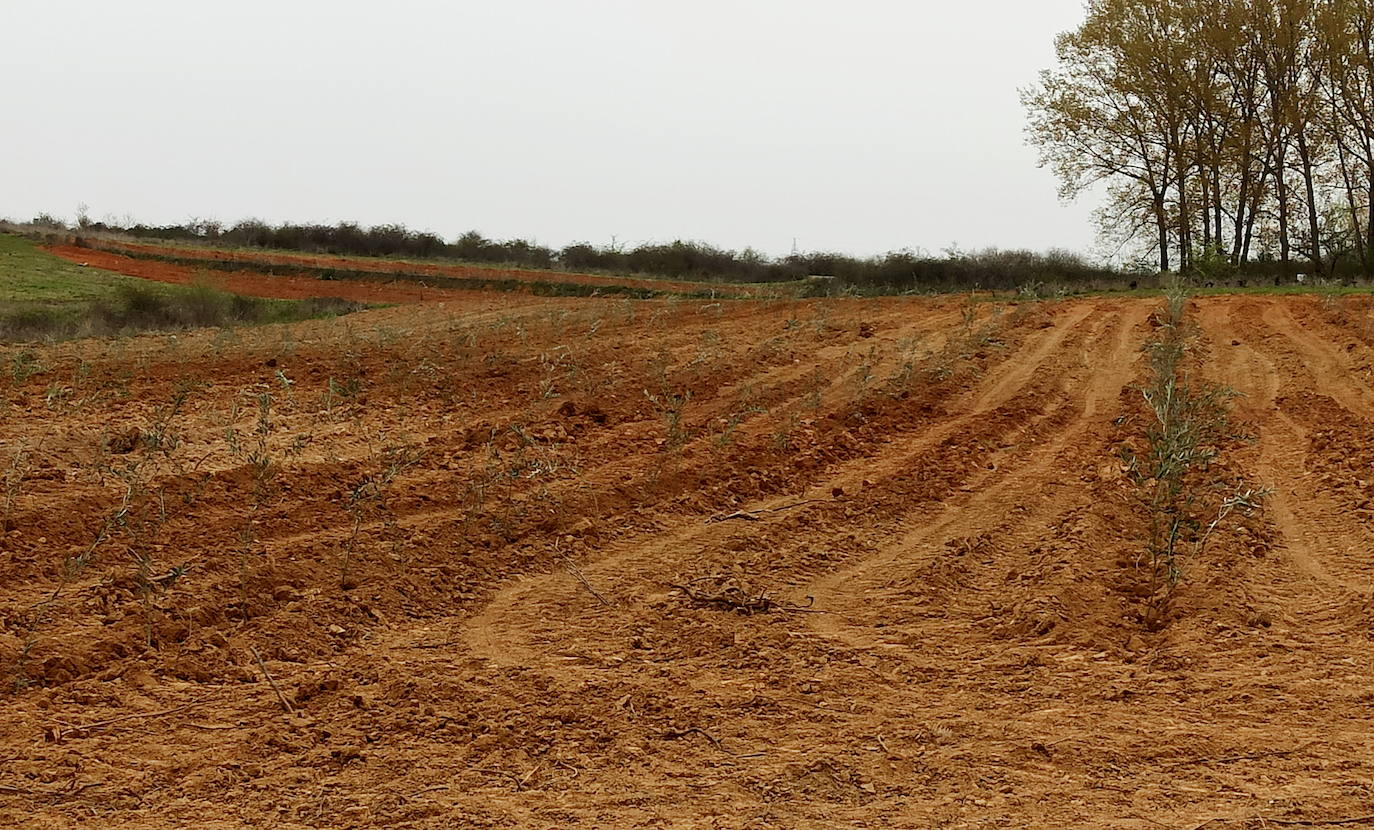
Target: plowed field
x,y
516,562
259,284
290,276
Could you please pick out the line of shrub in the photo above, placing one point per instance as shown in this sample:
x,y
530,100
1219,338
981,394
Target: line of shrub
x,y
134,308
320,272
896,271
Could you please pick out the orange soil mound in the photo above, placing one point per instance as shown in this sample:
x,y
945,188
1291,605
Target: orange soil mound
x,y
460,572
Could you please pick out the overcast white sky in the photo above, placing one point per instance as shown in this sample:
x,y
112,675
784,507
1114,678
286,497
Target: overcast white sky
x,y
858,126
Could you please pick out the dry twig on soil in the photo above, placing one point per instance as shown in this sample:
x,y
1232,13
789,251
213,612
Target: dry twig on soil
x,y
753,515
1291,822
581,577
732,598
285,704
673,734
52,795
74,729
1303,822
1232,758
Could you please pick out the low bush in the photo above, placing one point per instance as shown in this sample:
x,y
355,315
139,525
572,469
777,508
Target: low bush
x,y
137,308
1184,500
896,271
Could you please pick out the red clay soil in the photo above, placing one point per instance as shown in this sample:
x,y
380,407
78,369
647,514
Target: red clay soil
x,y
620,564
385,266
257,284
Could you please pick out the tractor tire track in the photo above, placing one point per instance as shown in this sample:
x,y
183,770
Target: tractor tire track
x,y
857,593
1327,551
528,611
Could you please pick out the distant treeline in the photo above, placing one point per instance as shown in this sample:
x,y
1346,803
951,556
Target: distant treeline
x,y
895,271
1230,136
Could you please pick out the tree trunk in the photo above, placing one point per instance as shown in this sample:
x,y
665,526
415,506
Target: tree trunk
x,y
1357,233
1241,203
1369,221
1216,200
1184,220
1313,226
1369,227
1206,198
1281,192
1249,235
1162,222
1253,213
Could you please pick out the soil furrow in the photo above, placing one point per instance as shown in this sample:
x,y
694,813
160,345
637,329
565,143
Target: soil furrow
x,y
496,632
926,613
